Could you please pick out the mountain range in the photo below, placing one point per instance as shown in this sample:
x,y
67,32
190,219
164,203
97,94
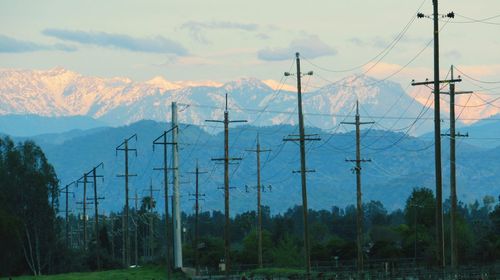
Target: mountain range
x,y
120,101
399,163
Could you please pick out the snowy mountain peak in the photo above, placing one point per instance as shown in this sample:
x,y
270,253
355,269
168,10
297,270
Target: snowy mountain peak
x,y
117,101
245,83
162,83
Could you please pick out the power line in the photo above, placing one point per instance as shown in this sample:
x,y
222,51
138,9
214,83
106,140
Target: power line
x,y
473,20
382,54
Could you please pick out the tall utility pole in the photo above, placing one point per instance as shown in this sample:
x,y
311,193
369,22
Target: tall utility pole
x,y
258,150
226,159
176,191
84,205
112,235
359,202
151,219
302,139
124,147
197,195
162,140
96,213
66,192
453,177
440,259
136,250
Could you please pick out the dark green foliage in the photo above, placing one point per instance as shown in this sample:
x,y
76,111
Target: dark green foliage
x,y
28,202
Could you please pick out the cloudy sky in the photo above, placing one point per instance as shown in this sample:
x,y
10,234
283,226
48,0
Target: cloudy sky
x,y
222,40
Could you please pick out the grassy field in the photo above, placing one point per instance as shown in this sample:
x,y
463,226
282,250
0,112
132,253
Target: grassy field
x,y
142,273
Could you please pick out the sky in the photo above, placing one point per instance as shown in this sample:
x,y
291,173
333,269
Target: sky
x,y
225,40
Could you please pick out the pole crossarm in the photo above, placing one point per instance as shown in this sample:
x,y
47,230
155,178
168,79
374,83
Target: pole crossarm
x,y
231,158
119,147
458,134
358,160
303,139
354,123
427,82
457,92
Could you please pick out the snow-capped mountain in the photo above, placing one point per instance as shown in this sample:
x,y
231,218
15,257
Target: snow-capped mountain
x,y
116,101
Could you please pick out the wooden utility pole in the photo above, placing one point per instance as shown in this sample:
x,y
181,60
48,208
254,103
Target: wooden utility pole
x,y
176,214
453,177
359,202
162,140
226,159
124,147
66,192
84,205
112,239
136,229
197,195
96,214
152,205
257,151
303,170
440,259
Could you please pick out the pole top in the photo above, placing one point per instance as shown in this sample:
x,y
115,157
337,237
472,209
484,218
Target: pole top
x,y
297,54
226,102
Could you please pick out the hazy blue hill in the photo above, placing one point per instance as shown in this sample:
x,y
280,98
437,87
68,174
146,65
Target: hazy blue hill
x,y
399,163
30,125
484,133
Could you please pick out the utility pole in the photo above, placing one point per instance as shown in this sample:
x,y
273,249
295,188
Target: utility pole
x,y
112,237
136,198
226,159
258,150
84,205
453,177
66,192
302,138
359,202
176,191
197,195
151,219
440,259
162,140
124,147
84,212
96,213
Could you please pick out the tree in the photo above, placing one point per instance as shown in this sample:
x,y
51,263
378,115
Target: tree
x,y
28,200
249,254
287,254
420,216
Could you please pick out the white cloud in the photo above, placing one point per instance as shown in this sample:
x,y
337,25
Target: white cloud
x,y
198,28
156,44
309,46
12,45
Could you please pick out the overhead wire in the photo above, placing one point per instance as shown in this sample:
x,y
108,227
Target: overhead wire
x,y
383,53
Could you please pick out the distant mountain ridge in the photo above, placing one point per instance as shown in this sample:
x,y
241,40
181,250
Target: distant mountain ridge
x,y
32,125
118,101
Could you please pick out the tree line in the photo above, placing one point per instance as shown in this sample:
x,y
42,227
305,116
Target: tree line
x,y
32,229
